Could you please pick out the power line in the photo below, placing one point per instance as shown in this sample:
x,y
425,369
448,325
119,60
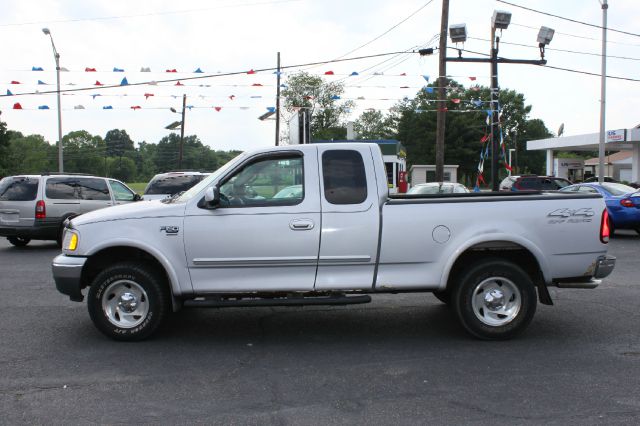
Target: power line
x,y
558,50
144,15
575,21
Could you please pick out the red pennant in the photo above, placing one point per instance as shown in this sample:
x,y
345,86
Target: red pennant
x,y
455,101
173,70
404,74
136,107
508,167
256,84
89,69
251,71
232,97
472,78
15,82
179,84
146,95
217,108
329,73
17,106
484,138
480,178
98,83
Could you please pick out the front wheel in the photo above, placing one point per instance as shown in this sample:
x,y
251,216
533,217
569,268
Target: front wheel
x,y
495,300
128,301
19,241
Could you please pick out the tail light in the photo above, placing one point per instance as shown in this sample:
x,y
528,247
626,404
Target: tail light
x,y
41,210
605,231
626,202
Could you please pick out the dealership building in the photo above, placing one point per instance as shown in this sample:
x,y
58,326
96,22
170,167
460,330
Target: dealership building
x,y
625,165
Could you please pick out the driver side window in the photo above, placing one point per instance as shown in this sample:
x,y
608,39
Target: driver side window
x,y
270,181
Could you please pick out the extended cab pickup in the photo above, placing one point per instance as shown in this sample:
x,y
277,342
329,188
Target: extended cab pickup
x,y
314,224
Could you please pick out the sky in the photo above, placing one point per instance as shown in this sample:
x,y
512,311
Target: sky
x,y
226,36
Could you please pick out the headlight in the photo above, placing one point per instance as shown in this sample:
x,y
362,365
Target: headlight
x,y
70,240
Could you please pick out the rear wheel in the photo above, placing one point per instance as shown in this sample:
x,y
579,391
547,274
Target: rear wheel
x,y
19,241
128,301
495,300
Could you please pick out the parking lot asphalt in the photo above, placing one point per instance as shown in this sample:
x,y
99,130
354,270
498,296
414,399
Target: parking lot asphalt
x,y
402,359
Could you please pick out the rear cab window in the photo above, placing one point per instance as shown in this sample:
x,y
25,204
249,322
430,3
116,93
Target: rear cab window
x,y
19,188
344,177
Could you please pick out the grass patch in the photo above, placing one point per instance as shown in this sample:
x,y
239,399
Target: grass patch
x,y
137,186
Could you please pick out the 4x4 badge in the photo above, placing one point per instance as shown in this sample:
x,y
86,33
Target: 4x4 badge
x,y
587,212
170,230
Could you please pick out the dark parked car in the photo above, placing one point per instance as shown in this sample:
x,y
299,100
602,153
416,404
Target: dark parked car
x,y
533,183
606,179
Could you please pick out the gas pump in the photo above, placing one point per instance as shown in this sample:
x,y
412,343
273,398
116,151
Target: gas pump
x,y
402,182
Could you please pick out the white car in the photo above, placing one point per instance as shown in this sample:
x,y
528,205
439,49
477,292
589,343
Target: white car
x,y
438,188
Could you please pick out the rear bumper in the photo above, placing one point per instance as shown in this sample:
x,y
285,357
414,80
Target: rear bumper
x,y
603,267
39,231
67,273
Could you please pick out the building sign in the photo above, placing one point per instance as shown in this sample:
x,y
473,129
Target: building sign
x,y
616,136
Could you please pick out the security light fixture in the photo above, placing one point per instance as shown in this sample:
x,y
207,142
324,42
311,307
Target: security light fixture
x,y
173,126
458,33
500,19
545,35
46,31
266,115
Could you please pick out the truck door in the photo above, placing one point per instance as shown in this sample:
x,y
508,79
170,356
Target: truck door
x,y
350,219
265,235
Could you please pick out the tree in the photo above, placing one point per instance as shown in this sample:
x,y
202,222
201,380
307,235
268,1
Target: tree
x,y
4,146
321,98
84,153
29,154
374,125
118,143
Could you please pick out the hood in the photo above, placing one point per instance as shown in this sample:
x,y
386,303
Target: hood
x,y
151,197
137,210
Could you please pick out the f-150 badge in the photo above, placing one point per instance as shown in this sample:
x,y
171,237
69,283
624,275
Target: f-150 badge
x,y
170,230
571,215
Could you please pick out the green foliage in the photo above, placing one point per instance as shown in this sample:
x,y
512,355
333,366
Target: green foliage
x,y
29,154
118,143
321,99
375,125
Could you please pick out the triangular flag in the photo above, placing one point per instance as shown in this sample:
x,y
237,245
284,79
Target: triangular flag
x,y
43,107
429,89
271,109
404,74
179,84
107,107
78,107
41,82
94,96
284,86
251,71
328,73
145,69
98,83
244,107
472,78
118,69
15,82
217,108
354,73
378,73
136,107
426,77
9,93
455,100
477,103
278,72
189,107
335,97
124,82
36,69
17,105
198,71
64,69
147,95
257,84
255,97
172,70
89,69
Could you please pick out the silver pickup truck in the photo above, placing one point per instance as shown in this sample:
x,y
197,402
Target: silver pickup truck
x,y
314,224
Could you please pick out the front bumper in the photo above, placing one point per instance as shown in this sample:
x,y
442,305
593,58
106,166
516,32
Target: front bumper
x,y
67,273
603,267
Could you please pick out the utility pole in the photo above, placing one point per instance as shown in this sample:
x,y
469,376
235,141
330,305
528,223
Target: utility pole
x,y
495,134
603,93
184,107
278,103
442,95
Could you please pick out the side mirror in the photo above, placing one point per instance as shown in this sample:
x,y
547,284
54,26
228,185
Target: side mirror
x,y
211,197
137,197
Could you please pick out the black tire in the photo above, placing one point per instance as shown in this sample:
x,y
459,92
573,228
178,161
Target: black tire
x,y
495,299
124,286
637,230
444,296
19,241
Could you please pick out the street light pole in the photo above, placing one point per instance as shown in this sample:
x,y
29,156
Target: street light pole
x,y
495,42
184,107
56,56
603,93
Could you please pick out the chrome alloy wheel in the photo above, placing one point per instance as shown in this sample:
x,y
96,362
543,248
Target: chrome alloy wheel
x,y
125,304
496,301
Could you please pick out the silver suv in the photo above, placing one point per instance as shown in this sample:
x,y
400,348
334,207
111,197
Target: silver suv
x,y
34,207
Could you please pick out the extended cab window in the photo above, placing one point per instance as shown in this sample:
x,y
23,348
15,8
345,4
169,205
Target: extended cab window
x,y
267,181
93,189
62,189
345,181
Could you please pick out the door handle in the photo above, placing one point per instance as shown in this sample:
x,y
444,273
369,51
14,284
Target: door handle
x,y
301,224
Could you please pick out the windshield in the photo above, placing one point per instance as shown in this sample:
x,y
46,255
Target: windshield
x,y
209,180
171,184
20,188
618,188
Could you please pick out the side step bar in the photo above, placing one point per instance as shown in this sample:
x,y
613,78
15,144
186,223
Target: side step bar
x,y
282,301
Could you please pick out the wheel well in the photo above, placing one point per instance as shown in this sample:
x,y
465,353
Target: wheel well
x,y
504,250
102,259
